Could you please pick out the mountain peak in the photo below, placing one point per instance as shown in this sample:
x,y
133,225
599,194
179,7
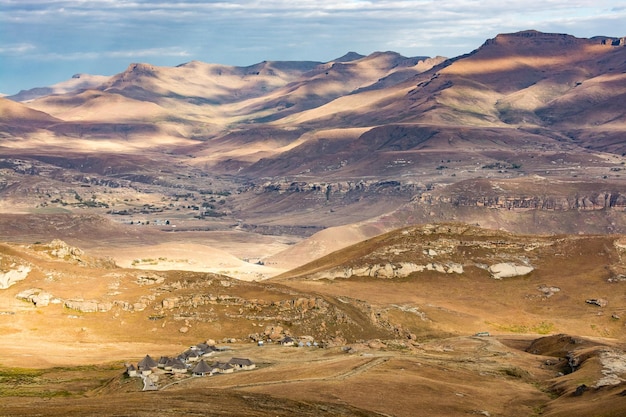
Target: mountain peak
x,y
141,69
531,42
532,37
350,56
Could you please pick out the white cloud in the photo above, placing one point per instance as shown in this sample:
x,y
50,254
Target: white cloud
x,y
16,49
121,54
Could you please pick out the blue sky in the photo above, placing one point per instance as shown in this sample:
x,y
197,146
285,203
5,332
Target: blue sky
x,y
46,41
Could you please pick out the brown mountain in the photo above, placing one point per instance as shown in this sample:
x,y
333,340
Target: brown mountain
x,y
16,114
524,133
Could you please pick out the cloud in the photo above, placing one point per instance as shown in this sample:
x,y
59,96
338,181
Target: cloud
x,y
16,49
298,9
122,54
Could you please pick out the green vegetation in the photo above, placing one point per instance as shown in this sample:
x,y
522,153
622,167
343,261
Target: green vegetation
x,y
502,165
541,328
54,382
514,372
13,376
145,261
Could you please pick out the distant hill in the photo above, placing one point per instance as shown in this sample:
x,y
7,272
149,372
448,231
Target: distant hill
x,y
76,83
16,114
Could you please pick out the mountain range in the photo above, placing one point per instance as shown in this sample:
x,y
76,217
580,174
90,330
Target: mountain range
x,y
528,120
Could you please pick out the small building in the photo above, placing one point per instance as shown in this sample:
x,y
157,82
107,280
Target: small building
x,y
202,347
191,355
147,362
178,367
131,370
175,365
162,361
146,365
201,369
287,341
242,364
208,351
222,368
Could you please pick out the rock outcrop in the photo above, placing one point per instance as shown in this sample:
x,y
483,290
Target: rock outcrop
x,y
61,250
88,306
509,270
38,297
13,276
592,201
600,302
390,270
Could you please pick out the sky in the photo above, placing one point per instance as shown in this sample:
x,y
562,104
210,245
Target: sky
x,y
43,42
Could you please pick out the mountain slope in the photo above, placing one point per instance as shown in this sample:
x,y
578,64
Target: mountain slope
x,y
77,82
12,113
500,80
454,270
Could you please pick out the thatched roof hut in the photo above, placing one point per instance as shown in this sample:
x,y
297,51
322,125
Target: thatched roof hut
x,y
241,363
147,363
201,368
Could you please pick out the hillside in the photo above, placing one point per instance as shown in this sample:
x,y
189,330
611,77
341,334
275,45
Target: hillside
x,y
456,279
449,269
77,82
399,311
13,114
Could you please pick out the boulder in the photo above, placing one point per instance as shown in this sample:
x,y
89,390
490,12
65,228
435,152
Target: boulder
x,y
600,302
37,296
383,271
435,266
60,249
454,268
150,279
170,303
509,270
548,291
407,268
139,306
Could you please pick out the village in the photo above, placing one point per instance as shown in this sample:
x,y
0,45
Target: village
x,y
194,362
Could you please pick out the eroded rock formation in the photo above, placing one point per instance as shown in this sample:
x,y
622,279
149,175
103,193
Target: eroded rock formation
x,y
12,276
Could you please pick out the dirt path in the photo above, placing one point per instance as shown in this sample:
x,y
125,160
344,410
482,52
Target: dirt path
x,y
374,362
361,368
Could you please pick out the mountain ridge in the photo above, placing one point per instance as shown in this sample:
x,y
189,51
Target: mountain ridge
x,y
320,143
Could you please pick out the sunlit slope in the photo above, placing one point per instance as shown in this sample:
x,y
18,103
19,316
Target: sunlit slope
x,y
466,279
